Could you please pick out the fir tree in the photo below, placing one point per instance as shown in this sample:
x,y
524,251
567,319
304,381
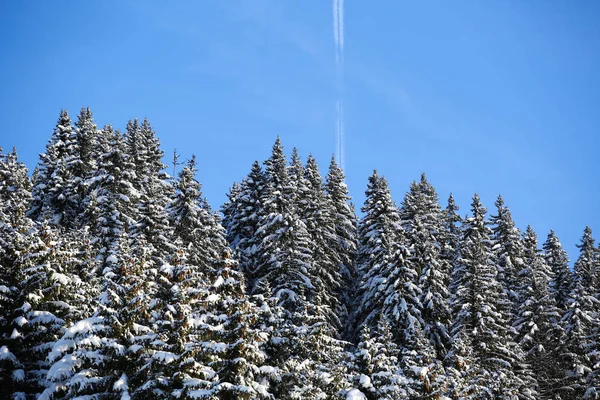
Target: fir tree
x,y
378,232
15,189
196,226
285,246
562,278
112,196
580,320
50,199
508,253
424,224
103,355
80,164
480,326
317,212
242,227
536,327
345,225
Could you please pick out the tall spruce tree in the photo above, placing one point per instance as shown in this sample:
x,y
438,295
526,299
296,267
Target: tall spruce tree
x,y
536,326
196,226
345,225
508,253
242,227
580,320
103,356
317,213
480,333
50,199
562,277
424,223
285,246
378,232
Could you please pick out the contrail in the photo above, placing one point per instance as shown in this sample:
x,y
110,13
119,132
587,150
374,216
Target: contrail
x,y
341,25
336,31
338,35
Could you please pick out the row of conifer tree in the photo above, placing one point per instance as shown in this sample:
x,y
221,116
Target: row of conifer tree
x,y
118,281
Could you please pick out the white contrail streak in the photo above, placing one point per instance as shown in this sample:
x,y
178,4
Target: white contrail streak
x,y
342,147
338,36
341,25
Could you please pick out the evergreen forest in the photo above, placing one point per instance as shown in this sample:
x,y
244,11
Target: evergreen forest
x,y
119,281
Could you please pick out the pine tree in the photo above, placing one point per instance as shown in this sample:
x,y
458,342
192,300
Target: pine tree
x,y
242,227
103,355
285,246
580,320
424,223
345,225
537,329
317,213
80,164
15,189
452,223
230,212
50,199
196,226
224,337
387,378
562,278
480,334
50,296
378,232
508,253
112,197
15,195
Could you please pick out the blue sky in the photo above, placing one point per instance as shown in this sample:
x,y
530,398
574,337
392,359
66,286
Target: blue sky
x,y
489,97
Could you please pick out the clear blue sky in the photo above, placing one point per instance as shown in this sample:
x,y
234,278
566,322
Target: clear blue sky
x,y
484,96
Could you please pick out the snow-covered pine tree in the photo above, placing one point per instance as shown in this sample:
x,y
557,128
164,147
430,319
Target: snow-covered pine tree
x,y
312,361
15,189
80,164
318,213
225,338
50,200
111,196
508,253
50,296
15,195
480,333
403,308
562,277
345,223
536,327
196,226
143,148
103,356
387,378
424,223
452,223
230,210
580,320
378,232
241,228
285,246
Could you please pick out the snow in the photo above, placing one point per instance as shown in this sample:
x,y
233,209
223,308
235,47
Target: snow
x,y
219,281
6,354
165,357
365,381
121,384
355,394
84,326
18,375
421,372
